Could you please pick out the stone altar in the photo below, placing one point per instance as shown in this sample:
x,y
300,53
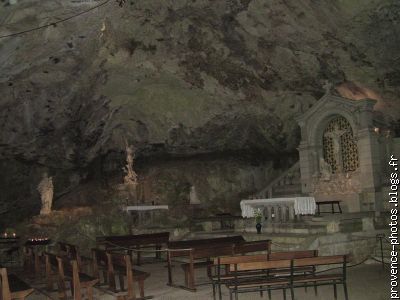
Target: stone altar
x,y
281,209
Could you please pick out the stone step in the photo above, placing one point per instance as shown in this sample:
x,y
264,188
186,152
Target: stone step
x,y
293,240
294,228
213,234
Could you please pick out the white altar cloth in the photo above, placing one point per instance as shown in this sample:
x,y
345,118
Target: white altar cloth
x,y
302,205
145,207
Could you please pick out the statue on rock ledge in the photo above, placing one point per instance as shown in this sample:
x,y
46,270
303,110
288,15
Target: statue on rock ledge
x,y
46,190
130,175
130,178
193,198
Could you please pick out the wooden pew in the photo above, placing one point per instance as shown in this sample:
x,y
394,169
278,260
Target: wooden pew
x,y
68,270
200,252
100,264
72,252
120,265
63,270
244,280
185,244
137,242
51,266
31,260
294,255
219,278
12,287
332,278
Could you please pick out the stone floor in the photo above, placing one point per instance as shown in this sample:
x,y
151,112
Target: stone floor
x,y
365,282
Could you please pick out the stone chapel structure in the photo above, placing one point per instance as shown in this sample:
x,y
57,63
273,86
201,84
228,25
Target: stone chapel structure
x,y
344,152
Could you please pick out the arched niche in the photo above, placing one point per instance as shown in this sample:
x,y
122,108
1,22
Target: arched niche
x,y
339,145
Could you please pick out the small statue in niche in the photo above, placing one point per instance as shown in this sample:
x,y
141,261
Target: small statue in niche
x,y
327,85
193,199
325,169
46,190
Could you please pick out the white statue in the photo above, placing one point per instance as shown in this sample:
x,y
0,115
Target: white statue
x,y
335,135
130,175
193,199
327,85
46,191
325,169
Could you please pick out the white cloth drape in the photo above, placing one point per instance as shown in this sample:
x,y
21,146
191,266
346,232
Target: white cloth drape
x,y
302,205
146,207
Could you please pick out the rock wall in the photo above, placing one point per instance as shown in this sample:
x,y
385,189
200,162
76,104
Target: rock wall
x,y
177,78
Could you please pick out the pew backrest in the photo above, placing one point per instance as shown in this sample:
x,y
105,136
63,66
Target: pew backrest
x,y
260,265
230,240
133,240
293,254
227,260
320,260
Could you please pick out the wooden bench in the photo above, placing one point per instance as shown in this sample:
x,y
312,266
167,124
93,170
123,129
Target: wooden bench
x,y
200,252
31,260
51,267
120,265
294,255
333,278
68,271
72,252
100,265
218,278
137,242
198,249
13,287
62,270
244,280
332,203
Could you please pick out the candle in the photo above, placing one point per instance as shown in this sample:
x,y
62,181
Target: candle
x,y
14,235
5,234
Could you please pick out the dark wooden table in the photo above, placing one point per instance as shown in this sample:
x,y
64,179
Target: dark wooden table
x,y
332,203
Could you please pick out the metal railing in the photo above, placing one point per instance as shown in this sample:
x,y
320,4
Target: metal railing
x,y
381,237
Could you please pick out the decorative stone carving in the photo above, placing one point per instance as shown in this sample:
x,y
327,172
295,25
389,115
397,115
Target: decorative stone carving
x,y
46,191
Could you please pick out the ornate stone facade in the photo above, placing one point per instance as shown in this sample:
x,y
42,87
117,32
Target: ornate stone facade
x,y
342,152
